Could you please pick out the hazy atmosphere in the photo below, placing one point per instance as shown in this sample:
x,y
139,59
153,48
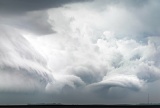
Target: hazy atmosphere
x,y
79,51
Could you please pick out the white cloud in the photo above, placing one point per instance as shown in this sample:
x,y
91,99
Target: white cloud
x,y
22,68
118,80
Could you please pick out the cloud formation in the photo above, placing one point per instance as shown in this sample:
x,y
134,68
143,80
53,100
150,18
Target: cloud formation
x,y
20,6
107,49
30,15
22,68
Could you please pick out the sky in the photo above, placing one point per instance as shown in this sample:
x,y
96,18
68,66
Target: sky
x,y
79,52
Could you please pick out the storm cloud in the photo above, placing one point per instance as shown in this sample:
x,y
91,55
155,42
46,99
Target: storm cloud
x,y
29,14
21,6
79,52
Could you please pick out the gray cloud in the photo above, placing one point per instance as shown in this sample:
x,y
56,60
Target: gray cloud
x,y
21,6
35,22
30,15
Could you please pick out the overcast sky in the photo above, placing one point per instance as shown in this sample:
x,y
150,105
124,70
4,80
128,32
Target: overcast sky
x,y
79,52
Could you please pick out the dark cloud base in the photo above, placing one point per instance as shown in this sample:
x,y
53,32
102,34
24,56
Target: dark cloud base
x,y
21,6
